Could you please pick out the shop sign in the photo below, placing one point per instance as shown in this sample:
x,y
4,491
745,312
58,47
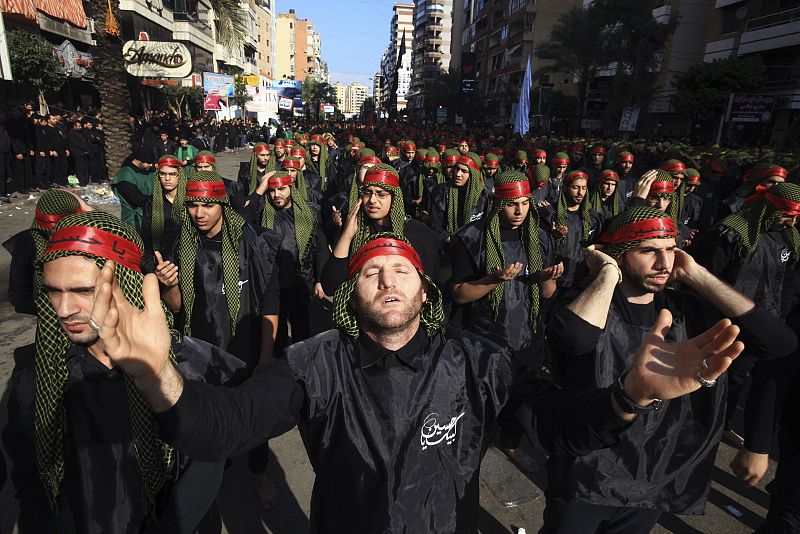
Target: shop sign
x,y
157,59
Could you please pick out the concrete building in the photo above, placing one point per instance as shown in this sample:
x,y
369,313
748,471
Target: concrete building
x,y
771,29
378,88
297,48
436,49
266,38
350,98
402,27
503,34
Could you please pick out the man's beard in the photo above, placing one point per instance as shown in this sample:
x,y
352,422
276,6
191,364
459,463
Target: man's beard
x,y
643,282
392,321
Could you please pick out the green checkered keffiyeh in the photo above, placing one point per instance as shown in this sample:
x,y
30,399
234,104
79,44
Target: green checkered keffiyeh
x,y
304,222
51,207
232,231
344,318
253,179
355,184
153,457
541,175
157,217
630,216
438,176
676,206
561,208
673,208
530,240
596,196
396,213
473,189
321,166
757,216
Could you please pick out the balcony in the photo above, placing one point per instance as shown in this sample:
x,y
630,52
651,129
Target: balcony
x,y
65,29
194,32
768,32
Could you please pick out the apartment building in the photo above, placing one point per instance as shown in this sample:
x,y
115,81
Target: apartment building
x,y
401,38
297,48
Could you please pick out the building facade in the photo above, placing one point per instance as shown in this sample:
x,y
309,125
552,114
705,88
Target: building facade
x,y
770,29
436,50
401,39
265,61
298,49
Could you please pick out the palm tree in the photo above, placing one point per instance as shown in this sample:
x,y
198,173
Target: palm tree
x,y
574,47
316,93
112,78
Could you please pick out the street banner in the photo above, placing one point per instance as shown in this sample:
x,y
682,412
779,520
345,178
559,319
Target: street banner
x,y
629,118
218,84
752,108
157,59
214,103
285,103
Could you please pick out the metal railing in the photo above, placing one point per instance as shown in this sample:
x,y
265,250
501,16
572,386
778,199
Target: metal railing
x,y
773,19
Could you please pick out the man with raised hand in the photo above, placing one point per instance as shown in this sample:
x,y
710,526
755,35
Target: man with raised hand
x,y
396,410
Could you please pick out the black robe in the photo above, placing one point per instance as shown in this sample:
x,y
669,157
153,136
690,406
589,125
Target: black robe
x,y
665,459
570,250
172,231
22,248
511,327
258,293
101,491
439,208
396,438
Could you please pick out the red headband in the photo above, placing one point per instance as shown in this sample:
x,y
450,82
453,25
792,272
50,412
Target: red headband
x,y
641,230
469,162
369,159
693,179
392,150
198,189
168,161
291,164
450,160
625,157
493,163
317,138
766,173
608,174
381,176
384,246
674,167
598,150
431,159
96,242
560,161
262,148
298,152
205,159
410,146
280,142
48,220
577,175
781,204
275,182
662,186
539,153
512,190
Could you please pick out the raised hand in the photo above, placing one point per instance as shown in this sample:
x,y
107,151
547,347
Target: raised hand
x,y
166,271
503,274
138,341
595,258
666,371
642,187
337,217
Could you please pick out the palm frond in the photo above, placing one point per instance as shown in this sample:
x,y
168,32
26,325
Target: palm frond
x,y
232,26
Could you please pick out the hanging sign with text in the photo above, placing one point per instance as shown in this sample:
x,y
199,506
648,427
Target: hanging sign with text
x,y
157,59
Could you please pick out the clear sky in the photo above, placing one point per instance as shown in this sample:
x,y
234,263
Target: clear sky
x,y
354,34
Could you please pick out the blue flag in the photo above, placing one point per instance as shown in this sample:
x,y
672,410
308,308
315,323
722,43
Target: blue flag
x,y
522,121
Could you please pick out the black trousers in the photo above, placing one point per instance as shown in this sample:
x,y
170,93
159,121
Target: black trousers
x,y
738,376
294,310
80,163
575,517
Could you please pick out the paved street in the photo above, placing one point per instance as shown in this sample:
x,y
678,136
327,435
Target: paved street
x,y
509,500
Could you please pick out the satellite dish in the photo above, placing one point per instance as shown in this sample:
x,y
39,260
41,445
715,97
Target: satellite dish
x,y
741,13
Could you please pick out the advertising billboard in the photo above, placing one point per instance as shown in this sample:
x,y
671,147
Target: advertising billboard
x,y
218,84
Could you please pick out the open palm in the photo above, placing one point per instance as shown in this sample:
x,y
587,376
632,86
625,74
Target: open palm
x,y
665,371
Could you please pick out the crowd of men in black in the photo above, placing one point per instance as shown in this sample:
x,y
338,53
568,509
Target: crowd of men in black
x,y
561,251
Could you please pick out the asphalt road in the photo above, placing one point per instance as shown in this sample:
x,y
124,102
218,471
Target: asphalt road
x,y
509,499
